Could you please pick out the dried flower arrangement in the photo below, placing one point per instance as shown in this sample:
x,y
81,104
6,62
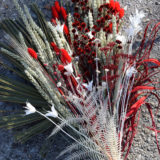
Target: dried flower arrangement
x,y
80,76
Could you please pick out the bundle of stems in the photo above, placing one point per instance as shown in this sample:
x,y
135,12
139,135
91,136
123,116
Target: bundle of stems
x,y
79,75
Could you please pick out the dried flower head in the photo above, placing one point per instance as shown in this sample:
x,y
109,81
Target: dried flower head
x,y
29,108
53,113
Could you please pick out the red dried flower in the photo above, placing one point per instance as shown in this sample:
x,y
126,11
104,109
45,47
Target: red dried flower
x,y
79,49
98,21
76,36
65,57
105,29
77,15
75,43
86,30
102,20
57,6
98,29
55,48
76,9
76,23
106,5
55,13
83,24
85,37
112,4
107,17
32,53
65,29
94,27
53,21
64,13
88,49
79,28
120,47
73,30
100,9
93,33
93,53
118,41
121,13
60,67
117,6
84,8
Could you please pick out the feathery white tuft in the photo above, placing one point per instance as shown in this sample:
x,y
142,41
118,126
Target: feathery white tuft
x,y
29,108
69,69
53,113
88,86
130,71
59,28
59,84
135,21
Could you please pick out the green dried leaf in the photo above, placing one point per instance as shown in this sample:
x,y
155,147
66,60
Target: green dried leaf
x,y
32,131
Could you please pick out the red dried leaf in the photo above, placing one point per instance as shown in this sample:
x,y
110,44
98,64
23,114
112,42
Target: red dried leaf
x,y
138,103
149,45
158,131
153,124
139,52
135,107
142,88
151,60
133,133
151,74
135,96
32,53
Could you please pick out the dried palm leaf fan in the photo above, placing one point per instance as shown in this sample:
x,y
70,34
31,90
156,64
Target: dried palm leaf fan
x,y
82,76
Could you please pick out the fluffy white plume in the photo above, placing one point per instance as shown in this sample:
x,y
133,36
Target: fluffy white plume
x,y
60,28
53,113
88,86
130,71
69,69
135,21
29,108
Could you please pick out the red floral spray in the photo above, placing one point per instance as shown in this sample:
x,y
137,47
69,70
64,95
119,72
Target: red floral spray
x,y
32,53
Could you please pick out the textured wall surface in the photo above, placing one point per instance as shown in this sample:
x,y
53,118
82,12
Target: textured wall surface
x,y
144,146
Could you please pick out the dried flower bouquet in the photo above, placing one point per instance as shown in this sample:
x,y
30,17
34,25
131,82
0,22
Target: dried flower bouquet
x,y
80,75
